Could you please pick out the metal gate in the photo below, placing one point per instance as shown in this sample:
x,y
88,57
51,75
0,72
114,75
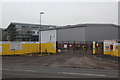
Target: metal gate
x,y
75,46
99,47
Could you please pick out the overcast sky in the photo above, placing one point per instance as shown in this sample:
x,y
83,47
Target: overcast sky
x,y
59,13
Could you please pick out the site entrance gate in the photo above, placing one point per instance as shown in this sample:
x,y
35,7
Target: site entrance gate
x,y
75,46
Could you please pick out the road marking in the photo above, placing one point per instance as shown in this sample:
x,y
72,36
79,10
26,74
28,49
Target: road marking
x,y
20,70
6,69
30,70
70,73
81,74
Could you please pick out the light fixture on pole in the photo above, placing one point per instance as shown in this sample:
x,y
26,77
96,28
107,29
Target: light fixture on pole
x,y
40,49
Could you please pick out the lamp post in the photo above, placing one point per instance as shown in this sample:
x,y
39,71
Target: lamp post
x,y
40,34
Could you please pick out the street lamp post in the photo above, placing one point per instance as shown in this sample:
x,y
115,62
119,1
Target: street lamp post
x,y
40,34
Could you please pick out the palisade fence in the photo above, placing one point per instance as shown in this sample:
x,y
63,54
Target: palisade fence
x,y
75,46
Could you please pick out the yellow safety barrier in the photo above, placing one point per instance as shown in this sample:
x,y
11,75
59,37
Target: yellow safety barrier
x,y
94,49
0,48
30,48
48,47
111,47
22,48
118,50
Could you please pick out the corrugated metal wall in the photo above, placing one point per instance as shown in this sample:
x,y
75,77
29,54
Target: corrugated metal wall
x,y
119,32
0,34
95,32
71,34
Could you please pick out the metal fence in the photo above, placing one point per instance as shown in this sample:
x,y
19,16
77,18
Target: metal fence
x,y
75,46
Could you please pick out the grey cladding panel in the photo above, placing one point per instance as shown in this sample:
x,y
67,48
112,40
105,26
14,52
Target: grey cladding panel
x,y
119,12
101,32
0,34
119,33
71,34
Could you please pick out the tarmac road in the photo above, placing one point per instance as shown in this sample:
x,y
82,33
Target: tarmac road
x,y
10,71
58,66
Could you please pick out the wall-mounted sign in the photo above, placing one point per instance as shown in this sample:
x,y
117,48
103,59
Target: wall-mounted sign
x,y
0,48
54,46
65,45
108,42
15,46
107,47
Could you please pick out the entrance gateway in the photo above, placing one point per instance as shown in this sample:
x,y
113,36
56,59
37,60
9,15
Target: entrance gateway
x,y
85,47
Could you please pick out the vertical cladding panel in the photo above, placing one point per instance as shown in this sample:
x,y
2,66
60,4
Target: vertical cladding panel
x,y
71,34
48,41
97,32
0,34
119,32
119,12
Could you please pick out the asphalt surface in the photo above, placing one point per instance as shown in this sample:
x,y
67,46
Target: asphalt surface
x,y
46,72
58,66
61,60
108,58
0,67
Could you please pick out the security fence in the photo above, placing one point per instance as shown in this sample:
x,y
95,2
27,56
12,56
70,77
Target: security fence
x,y
75,46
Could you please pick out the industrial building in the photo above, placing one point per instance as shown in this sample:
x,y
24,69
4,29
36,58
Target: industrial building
x,y
23,32
78,38
1,30
81,38
88,32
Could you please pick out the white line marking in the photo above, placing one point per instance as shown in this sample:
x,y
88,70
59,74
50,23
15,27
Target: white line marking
x,y
20,70
70,73
6,69
81,74
30,70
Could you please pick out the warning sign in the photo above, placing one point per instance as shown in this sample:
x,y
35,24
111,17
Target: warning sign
x,y
15,46
0,48
65,45
107,47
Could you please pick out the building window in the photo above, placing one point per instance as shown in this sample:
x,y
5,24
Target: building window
x,y
25,27
37,32
34,27
31,32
